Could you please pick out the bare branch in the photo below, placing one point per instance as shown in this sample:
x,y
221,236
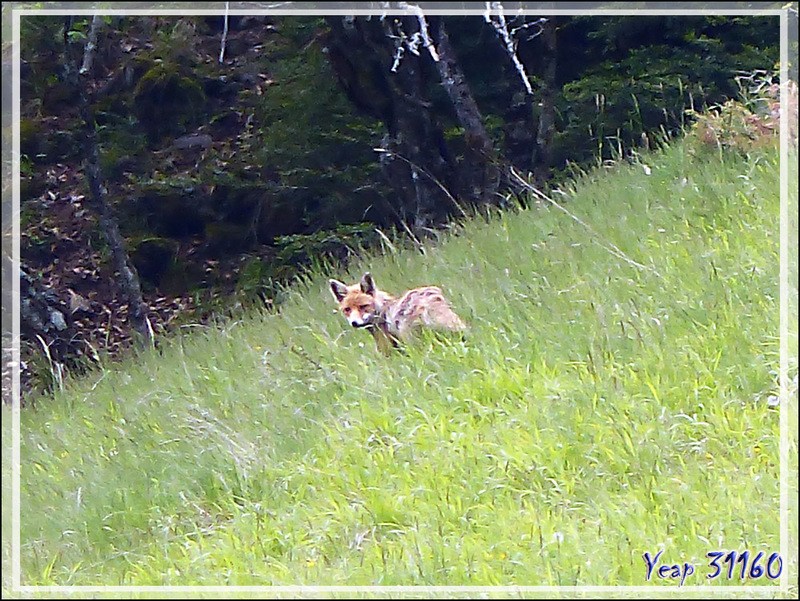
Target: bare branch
x,y
224,34
539,23
501,27
423,32
91,45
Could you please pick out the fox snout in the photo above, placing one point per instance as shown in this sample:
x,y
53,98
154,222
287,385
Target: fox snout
x,y
360,321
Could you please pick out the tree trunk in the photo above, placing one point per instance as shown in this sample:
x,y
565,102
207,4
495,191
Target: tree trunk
x,y
543,159
481,168
46,321
128,279
414,161
389,81
43,314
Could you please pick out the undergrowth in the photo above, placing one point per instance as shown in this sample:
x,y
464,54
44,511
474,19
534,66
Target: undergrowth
x,y
602,405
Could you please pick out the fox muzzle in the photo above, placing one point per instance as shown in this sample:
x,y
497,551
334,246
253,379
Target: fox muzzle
x,y
363,323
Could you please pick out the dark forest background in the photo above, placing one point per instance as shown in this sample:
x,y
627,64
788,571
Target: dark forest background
x,y
225,179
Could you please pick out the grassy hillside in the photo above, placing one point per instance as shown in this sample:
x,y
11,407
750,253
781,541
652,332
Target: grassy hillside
x,y
596,410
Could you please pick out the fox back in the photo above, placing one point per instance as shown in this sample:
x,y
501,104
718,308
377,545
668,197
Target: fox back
x,y
391,319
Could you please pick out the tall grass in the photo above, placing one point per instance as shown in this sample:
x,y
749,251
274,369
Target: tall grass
x,y
595,411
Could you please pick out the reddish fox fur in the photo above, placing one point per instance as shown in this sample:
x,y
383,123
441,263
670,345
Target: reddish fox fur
x,y
391,319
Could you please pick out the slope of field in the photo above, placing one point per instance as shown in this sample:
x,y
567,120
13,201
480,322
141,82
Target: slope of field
x,y
615,395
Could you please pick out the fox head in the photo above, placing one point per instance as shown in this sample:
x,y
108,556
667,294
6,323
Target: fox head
x,y
359,303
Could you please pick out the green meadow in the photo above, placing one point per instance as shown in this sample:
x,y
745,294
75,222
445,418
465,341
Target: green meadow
x,y
615,395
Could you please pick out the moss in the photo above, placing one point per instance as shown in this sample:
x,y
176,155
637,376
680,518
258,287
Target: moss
x,y
30,134
167,102
62,146
119,149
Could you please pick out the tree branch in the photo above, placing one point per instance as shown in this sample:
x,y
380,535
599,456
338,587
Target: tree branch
x,y
224,34
129,279
501,27
91,44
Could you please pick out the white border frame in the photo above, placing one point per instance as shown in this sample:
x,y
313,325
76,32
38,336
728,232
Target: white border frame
x,y
787,404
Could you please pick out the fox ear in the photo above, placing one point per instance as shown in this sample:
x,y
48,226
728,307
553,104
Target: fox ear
x,y
367,284
339,290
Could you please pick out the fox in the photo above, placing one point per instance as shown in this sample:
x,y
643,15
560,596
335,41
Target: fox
x,y
391,320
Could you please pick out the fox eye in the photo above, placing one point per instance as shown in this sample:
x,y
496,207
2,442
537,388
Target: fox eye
x,y
363,308
346,310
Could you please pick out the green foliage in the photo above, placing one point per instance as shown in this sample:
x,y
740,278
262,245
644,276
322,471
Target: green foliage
x,y
177,42
595,410
617,77
286,141
25,166
255,279
742,125
119,143
29,137
651,89
263,278
75,35
168,102
43,147
341,243
314,144
290,168
49,375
